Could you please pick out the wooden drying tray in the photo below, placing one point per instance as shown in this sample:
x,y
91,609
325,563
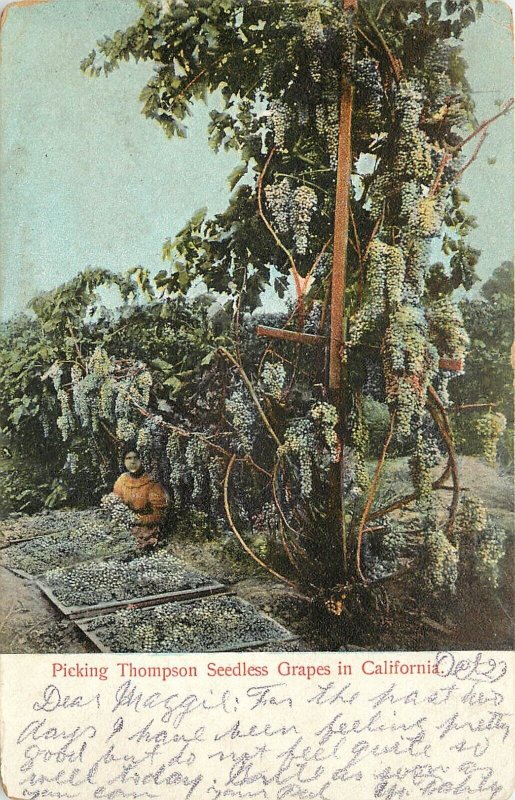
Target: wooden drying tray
x,y
74,612
19,572
11,542
82,625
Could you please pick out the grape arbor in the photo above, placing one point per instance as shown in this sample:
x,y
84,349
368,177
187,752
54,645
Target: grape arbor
x,y
352,122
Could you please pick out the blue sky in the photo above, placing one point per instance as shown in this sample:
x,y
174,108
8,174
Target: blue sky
x,y
88,181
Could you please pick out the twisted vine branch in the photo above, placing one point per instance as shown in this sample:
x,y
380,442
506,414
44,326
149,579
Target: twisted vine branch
x,y
236,532
372,494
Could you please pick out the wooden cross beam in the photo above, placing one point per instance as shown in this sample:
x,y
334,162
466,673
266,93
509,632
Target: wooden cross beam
x,y
291,336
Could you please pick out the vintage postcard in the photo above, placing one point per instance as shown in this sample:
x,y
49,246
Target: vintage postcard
x,y
256,399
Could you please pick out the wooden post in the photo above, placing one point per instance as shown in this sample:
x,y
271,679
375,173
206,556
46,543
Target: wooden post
x,y
341,229
336,506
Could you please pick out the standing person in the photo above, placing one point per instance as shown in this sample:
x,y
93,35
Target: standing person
x,y
143,495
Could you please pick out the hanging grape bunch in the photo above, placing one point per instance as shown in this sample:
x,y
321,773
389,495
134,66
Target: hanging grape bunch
x,y
325,416
279,119
359,439
410,363
72,462
279,199
151,444
300,443
314,37
489,429
313,319
440,564
369,86
176,471
446,329
273,378
196,457
382,550
491,549
385,282
327,119
482,541
241,410
65,422
427,454
303,206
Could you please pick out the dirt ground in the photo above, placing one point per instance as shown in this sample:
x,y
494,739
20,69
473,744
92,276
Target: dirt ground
x,y
30,624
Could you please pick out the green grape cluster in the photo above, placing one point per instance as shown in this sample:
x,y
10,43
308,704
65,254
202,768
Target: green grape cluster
x,y
395,268
126,431
482,541
412,160
107,397
144,443
360,441
472,516
45,420
143,384
150,444
490,550
314,38
326,121
427,454
72,462
313,319
440,566
300,442
325,416
55,373
273,378
278,198
196,457
385,280
382,551
374,381
446,328
416,254
369,86
99,363
280,121
118,512
303,205
409,197
427,216
174,457
409,364
489,429
243,417
83,390
376,267
65,422
215,470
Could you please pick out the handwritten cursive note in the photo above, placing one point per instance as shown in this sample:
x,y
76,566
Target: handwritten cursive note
x,y
296,726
